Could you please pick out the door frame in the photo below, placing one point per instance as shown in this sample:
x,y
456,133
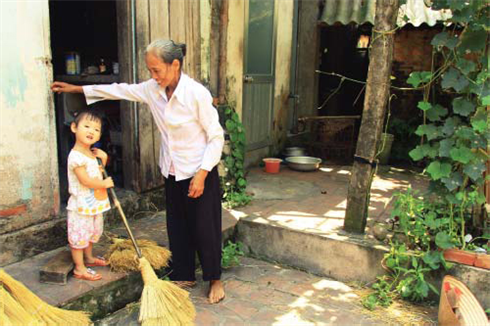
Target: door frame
x,y
267,142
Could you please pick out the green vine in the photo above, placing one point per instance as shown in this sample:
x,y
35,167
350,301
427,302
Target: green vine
x,y
454,146
234,183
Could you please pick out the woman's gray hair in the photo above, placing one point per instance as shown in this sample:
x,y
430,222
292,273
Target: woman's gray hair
x,y
167,50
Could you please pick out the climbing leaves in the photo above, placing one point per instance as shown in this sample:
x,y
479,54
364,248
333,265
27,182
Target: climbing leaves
x,y
463,106
438,170
454,79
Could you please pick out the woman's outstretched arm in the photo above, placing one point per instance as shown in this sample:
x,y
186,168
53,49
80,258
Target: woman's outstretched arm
x,y
61,87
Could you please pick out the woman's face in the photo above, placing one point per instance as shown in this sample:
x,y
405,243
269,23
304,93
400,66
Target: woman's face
x,y
164,74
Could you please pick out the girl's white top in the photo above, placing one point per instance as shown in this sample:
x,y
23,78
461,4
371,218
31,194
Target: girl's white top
x,y
85,201
192,137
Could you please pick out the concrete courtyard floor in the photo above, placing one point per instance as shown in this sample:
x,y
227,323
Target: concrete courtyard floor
x,y
315,202
265,293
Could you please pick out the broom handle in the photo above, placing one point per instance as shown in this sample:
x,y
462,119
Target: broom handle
x,y
121,212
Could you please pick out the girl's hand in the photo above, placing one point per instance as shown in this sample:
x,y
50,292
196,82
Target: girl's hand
x,y
61,87
100,154
196,187
108,183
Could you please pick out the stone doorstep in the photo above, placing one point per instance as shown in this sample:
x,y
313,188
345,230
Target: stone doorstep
x,y
115,290
343,257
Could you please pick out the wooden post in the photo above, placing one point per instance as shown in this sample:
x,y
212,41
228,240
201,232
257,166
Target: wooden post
x,y
377,93
223,34
214,50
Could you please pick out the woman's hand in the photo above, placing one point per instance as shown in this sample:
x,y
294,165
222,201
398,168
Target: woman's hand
x,y
196,187
61,87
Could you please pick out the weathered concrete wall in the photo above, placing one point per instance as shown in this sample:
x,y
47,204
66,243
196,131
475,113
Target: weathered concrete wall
x,y
345,257
28,160
333,256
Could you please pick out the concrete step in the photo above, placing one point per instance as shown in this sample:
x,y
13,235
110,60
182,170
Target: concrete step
x,y
262,293
339,255
115,290
49,235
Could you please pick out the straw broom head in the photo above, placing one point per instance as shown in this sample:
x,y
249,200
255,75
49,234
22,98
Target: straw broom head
x,y
122,255
38,309
12,313
162,302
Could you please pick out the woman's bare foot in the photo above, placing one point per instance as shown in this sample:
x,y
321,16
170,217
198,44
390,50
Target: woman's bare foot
x,y
185,284
216,291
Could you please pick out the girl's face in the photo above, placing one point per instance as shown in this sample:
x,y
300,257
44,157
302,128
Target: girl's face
x,y
88,131
164,74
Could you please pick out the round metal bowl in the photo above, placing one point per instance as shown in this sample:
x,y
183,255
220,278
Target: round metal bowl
x,y
303,163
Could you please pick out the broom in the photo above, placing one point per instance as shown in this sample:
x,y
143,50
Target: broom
x,y
19,301
121,255
162,302
12,313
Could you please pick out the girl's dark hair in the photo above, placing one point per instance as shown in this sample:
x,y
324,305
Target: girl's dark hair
x,y
167,50
90,114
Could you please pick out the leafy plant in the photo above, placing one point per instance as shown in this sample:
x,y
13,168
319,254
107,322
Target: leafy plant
x,y
454,139
230,254
422,227
234,183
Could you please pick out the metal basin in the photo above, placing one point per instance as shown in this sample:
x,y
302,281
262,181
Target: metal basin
x,y
303,163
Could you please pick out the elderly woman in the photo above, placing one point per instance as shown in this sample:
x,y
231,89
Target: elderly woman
x,y
191,146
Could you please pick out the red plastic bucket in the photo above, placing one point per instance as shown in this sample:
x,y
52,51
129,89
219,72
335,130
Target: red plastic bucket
x,y
272,165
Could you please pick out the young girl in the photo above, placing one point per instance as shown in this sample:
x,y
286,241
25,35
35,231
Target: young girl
x,y
88,194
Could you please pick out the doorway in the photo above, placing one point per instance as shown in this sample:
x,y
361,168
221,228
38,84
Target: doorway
x,y
258,83
84,46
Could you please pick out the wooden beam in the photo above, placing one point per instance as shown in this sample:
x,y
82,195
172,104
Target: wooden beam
x,y
376,98
223,35
159,29
130,149
214,48
148,169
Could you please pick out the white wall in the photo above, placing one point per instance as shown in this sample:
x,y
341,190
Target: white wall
x,y
28,154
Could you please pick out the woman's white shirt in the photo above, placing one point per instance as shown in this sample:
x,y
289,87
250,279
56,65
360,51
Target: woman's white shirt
x,y
192,137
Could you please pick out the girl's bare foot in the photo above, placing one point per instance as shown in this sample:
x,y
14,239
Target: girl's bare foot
x,y
216,291
185,284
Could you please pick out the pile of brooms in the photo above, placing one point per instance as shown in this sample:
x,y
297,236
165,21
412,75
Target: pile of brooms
x,y
162,302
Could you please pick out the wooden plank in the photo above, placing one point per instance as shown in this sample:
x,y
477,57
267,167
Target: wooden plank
x,y
159,21
214,50
159,29
307,58
192,27
127,114
177,26
148,162
56,270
